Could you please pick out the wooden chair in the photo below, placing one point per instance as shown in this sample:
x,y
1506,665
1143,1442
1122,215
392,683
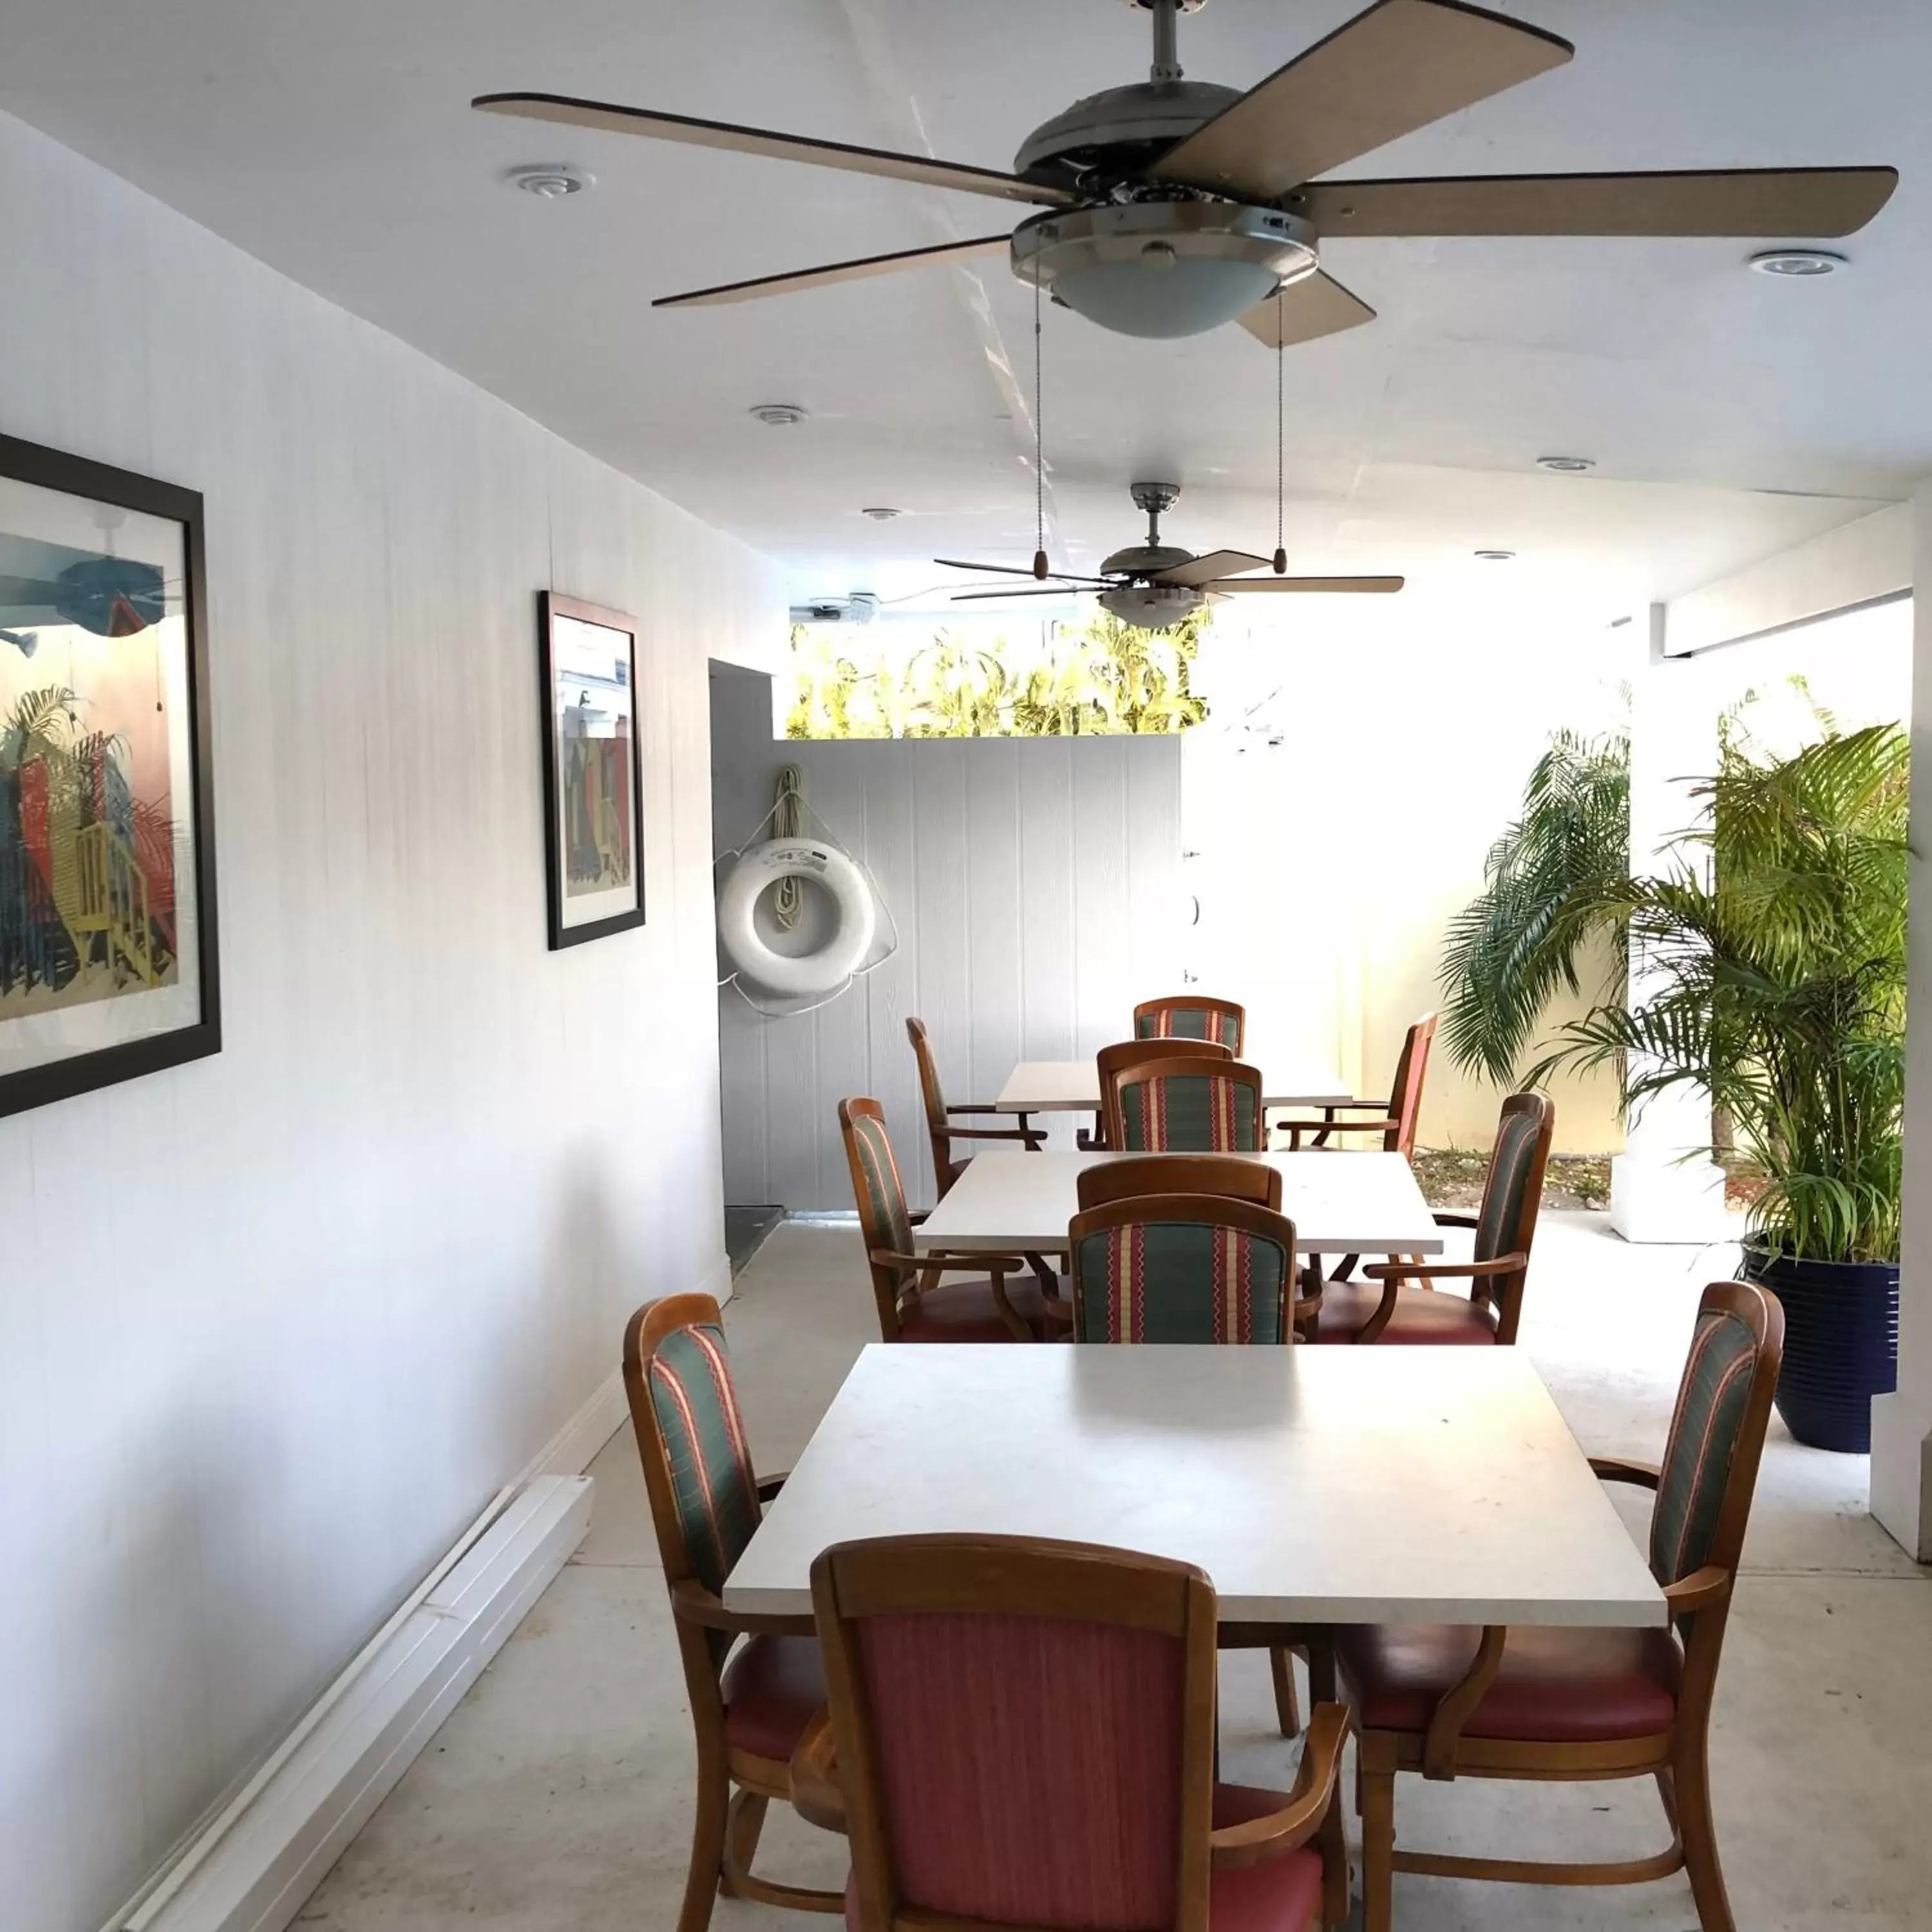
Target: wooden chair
x,y
1221,1173
1589,1704
752,1705
1396,1121
939,1117
1003,1302
1191,1016
1397,1304
1022,1733
1185,1104
1182,1267
1111,1061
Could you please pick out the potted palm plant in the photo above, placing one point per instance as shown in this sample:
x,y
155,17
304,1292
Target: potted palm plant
x,y
1769,958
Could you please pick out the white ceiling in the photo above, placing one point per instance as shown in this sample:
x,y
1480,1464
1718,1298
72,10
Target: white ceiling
x,y
1730,414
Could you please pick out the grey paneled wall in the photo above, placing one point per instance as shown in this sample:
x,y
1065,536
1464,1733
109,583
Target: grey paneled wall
x,y
1036,885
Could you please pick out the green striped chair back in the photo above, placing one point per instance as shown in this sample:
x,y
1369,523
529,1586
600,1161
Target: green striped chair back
x,y
1705,1431
1168,1281
879,1192
1190,1113
1512,1192
696,1409
1220,1023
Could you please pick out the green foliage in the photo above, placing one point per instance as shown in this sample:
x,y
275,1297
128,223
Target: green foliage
x,y
1105,677
1770,959
1520,940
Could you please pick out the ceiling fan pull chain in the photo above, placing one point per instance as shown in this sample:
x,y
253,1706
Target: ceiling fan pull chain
x,y
1039,451
1280,428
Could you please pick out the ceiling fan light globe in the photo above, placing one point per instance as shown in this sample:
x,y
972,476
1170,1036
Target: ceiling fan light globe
x,y
1152,607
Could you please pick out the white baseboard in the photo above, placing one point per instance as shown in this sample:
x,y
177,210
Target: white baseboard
x,y
574,1447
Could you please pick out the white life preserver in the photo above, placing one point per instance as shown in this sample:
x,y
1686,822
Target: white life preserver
x,y
799,975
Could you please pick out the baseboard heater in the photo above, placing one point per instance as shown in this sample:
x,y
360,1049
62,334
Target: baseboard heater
x,y
251,1868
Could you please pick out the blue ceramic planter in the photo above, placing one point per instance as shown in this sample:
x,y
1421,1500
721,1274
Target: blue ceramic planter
x,y
1840,1343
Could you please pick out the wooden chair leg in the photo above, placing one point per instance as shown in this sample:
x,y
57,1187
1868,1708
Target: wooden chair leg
x,y
1287,1710
744,1820
1691,1779
1378,1786
707,1849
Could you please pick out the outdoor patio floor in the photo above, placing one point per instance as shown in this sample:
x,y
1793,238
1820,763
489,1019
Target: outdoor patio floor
x,y
556,1798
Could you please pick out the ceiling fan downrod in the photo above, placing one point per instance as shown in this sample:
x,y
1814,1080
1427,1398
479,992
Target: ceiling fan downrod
x,y
1166,42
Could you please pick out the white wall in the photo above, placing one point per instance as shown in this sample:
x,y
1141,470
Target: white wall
x,y
273,1327
1036,882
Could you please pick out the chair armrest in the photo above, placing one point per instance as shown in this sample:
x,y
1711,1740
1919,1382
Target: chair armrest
x,y
1698,1590
1321,1130
947,1261
815,1793
692,1603
1459,1221
1619,1469
1457,1705
1033,1137
1283,1830
1445,1271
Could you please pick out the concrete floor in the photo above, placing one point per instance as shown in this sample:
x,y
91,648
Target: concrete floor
x,y
555,1798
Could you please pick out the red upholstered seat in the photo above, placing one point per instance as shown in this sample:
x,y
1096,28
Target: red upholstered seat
x,y
773,1688
961,1309
1422,1315
1555,1686
1281,1895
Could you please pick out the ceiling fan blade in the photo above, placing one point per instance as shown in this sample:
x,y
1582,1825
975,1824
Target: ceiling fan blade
x,y
1208,569
861,270
1045,590
1315,305
1373,585
1739,202
1395,68
565,110
1018,570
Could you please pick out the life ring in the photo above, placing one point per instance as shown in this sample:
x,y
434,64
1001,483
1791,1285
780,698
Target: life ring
x,y
799,975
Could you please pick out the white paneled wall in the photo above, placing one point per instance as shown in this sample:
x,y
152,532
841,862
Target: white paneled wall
x,y
275,1326
1035,882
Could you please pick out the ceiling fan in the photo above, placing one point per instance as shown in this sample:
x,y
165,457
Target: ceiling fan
x,y
1172,206
1155,587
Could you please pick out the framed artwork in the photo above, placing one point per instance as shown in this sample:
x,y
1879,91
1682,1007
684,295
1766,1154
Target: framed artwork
x,y
592,770
107,941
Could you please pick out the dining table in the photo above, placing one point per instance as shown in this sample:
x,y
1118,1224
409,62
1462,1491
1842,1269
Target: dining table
x,y
1341,1204
1316,1487
1073,1086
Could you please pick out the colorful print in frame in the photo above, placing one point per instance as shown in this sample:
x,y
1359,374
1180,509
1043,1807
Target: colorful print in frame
x,y
108,965
592,770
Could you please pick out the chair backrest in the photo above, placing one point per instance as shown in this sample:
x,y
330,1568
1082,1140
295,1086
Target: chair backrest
x,y
1191,1016
1111,1061
884,1220
1405,1095
1709,1469
1231,1175
697,1464
1512,1197
1182,1267
1024,1732
1192,1104
934,1096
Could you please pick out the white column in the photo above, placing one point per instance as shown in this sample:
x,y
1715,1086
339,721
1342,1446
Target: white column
x,y
1901,1470
1663,1186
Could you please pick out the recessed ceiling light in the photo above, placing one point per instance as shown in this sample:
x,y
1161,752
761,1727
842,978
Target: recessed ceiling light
x,y
1567,465
880,513
778,415
1798,261
1496,556
552,183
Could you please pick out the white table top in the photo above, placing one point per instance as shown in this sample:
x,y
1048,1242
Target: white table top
x,y
1341,1204
1320,1486
1073,1086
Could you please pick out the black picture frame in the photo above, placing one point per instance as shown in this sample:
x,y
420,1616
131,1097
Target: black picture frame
x,y
87,1071
552,605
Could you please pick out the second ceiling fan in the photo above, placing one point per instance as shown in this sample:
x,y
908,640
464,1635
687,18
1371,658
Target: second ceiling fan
x,y
1154,586
1172,206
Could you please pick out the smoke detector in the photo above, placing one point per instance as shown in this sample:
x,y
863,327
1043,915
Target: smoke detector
x,y
1798,263
779,415
881,513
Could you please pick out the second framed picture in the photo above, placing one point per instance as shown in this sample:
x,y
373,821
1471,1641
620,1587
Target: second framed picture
x,y
593,771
